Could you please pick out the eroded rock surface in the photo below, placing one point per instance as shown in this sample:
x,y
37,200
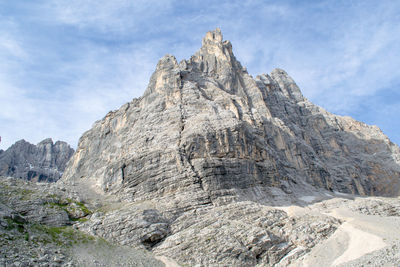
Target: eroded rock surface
x,y
243,234
44,162
198,161
109,231
131,226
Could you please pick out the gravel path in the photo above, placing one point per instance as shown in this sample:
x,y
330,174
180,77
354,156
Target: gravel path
x,y
364,238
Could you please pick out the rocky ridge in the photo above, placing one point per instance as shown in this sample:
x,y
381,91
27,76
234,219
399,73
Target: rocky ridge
x,y
44,162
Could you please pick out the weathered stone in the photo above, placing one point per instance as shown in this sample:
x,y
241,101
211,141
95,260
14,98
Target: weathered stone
x,y
242,234
35,231
208,146
133,226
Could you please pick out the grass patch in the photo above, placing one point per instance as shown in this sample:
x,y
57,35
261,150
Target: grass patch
x,y
57,204
71,207
83,207
22,193
15,224
52,196
79,219
64,236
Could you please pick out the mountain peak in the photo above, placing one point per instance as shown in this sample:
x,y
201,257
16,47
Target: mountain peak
x,y
213,37
207,129
213,44
45,141
216,58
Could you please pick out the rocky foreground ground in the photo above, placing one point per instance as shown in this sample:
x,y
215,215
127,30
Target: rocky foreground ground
x,y
45,224
38,227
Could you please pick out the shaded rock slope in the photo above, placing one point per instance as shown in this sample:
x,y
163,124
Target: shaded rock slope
x,y
44,162
52,224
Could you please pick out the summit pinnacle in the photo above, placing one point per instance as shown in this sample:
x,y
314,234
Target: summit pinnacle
x,y
212,37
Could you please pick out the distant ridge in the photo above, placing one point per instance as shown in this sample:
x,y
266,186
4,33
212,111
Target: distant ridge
x,y
44,162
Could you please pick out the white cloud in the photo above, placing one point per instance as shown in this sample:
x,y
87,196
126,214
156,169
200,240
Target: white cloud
x,y
117,16
11,46
101,86
335,62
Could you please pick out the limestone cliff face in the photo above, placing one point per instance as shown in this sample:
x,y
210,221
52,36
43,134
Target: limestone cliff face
x,y
207,131
44,162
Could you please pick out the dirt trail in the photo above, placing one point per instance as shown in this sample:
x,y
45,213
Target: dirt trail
x,y
360,242
167,261
358,235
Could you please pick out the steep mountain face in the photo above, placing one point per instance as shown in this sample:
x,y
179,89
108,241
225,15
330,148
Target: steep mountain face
x,y
44,162
207,130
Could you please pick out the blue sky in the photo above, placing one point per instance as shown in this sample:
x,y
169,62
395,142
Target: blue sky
x,y
65,63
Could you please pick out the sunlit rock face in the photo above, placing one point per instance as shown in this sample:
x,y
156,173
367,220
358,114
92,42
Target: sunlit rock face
x,y
206,132
44,162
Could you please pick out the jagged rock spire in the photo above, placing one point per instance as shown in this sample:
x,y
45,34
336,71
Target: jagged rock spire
x,y
205,142
165,78
215,56
212,37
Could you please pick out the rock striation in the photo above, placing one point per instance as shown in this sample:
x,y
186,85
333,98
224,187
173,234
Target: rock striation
x,y
207,131
44,162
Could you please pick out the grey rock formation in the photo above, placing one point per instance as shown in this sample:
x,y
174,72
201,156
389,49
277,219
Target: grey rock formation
x,y
242,234
207,131
129,226
44,162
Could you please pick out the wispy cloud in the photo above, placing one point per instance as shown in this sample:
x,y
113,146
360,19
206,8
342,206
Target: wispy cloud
x,y
96,87
117,17
338,55
43,94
